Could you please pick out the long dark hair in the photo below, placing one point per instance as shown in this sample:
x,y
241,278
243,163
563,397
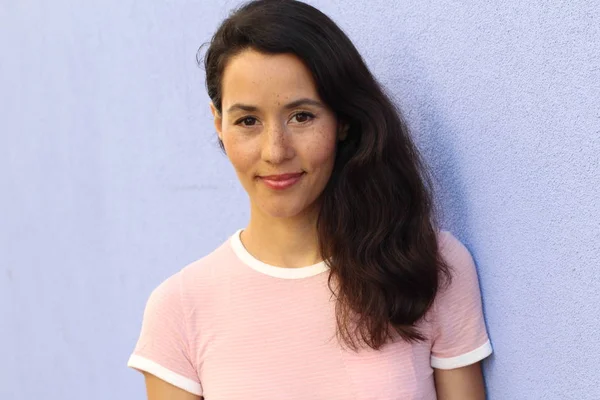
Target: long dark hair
x,y
376,226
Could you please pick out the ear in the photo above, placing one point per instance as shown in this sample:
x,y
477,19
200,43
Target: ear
x,y
218,121
343,128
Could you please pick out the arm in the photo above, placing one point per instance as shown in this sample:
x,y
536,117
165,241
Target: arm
x,y
158,389
163,352
464,383
460,339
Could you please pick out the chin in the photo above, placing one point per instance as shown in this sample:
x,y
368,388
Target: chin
x,y
284,209
282,212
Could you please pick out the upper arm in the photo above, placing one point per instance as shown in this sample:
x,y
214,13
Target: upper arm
x,y
460,340
459,336
464,383
163,349
158,389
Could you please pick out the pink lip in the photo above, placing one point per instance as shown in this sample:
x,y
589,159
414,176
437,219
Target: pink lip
x,y
283,181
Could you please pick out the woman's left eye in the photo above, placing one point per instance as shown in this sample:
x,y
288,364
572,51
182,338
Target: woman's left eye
x,y
302,117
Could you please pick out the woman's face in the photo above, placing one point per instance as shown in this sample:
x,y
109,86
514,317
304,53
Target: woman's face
x,y
278,134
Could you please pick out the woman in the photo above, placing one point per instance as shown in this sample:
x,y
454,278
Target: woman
x,y
341,286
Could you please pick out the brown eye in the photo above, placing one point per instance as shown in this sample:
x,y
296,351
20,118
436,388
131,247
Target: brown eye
x,y
247,121
303,117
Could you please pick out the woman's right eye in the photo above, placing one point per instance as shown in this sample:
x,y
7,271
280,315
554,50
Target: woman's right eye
x,y
246,121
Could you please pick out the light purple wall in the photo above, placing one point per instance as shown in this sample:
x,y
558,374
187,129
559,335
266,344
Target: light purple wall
x,y
111,178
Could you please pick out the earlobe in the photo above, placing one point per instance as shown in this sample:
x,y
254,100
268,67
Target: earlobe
x,y
217,119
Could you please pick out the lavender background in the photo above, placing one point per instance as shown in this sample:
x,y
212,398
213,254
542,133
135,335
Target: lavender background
x,y
112,180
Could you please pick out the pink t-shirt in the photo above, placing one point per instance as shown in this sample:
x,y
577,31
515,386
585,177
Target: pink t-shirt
x,y
229,327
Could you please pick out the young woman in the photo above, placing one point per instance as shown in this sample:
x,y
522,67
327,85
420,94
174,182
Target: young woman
x,y
340,286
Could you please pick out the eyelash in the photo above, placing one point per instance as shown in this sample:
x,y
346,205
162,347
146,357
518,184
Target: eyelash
x,y
309,115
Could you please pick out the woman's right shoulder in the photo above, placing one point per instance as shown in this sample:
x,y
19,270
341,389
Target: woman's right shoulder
x,y
201,274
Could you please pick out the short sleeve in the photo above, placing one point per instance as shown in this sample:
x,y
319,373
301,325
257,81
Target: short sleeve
x,y
163,349
459,333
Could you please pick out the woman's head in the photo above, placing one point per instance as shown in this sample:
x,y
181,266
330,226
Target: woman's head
x,y
279,135
354,163
268,55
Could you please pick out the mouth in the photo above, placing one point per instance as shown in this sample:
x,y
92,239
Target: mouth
x,y
281,181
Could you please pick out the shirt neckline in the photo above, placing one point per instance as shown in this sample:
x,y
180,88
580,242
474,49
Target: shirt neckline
x,y
272,270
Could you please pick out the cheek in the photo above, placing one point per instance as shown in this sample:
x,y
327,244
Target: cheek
x,y
240,152
320,149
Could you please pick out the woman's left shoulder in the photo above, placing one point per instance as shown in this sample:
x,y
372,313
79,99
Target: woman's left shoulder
x,y
454,252
458,333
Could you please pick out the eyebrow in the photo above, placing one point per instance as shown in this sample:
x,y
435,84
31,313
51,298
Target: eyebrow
x,y
293,104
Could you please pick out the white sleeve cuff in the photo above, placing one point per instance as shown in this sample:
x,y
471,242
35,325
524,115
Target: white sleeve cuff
x,y
464,359
143,364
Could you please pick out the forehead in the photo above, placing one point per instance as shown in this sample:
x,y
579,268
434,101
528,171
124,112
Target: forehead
x,y
260,78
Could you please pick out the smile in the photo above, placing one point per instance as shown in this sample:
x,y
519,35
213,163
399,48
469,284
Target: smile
x,y
283,181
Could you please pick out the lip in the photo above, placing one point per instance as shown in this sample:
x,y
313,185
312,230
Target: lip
x,y
281,181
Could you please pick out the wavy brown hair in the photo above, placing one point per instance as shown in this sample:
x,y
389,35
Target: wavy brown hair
x,y
377,225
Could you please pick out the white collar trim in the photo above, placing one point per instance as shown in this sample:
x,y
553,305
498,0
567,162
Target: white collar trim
x,y
271,270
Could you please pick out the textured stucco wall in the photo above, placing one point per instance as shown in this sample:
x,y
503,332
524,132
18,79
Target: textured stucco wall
x,y
111,178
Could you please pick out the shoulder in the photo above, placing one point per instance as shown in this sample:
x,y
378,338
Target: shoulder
x,y
450,246
455,254
462,287
458,335
197,277
209,268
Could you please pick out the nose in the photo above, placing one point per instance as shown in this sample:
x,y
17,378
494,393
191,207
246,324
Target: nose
x,y
277,146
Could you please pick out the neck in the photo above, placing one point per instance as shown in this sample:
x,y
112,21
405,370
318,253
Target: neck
x,y
282,242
